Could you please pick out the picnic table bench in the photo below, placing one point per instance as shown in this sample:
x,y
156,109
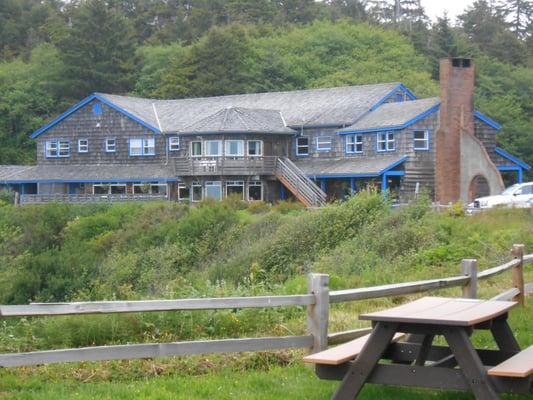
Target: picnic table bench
x,y
417,362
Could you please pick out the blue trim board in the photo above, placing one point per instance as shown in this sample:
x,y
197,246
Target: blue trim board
x,y
401,87
519,171
513,159
419,117
84,102
487,120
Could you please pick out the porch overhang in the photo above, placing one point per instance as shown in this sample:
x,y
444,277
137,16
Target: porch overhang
x,y
512,164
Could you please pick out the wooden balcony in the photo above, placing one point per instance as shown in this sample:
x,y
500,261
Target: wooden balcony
x,y
206,166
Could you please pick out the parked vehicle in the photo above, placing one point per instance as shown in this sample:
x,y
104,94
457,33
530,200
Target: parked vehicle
x,y
519,195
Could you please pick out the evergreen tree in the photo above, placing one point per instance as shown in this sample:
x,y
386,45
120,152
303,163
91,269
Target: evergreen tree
x,y
519,13
98,51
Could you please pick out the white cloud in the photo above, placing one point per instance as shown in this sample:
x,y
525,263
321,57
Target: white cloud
x,y
436,8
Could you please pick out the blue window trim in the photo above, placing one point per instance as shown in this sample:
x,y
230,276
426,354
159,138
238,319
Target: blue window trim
x,y
354,144
83,152
97,109
106,147
57,144
170,147
428,146
513,159
324,149
298,154
487,120
86,101
419,117
143,154
387,150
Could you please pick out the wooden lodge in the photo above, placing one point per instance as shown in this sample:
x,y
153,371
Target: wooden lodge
x,y
312,144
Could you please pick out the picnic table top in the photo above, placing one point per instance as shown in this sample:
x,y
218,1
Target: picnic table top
x,y
442,311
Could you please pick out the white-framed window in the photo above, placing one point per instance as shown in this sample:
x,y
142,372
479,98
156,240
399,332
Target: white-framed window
x,y
213,148
111,145
109,188
150,188
354,144
213,190
234,148
196,148
142,146
255,148
83,145
255,191
421,139
386,141
323,143
57,148
184,192
197,192
174,143
302,146
235,189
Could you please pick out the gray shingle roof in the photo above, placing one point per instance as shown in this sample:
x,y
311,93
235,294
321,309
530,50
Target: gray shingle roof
x,y
80,173
312,107
240,120
392,114
346,166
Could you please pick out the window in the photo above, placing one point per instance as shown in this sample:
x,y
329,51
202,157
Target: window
x,y
255,148
400,97
196,149
83,145
302,146
323,143
197,192
421,140
354,144
117,189
255,191
150,188
525,190
57,148
386,141
109,188
213,148
184,192
235,148
142,146
213,190
235,189
110,145
100,189
174,143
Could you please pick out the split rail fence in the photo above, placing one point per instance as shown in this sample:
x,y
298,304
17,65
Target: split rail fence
x,y
317,300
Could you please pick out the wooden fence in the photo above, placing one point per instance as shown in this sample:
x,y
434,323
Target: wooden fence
x,y
317,300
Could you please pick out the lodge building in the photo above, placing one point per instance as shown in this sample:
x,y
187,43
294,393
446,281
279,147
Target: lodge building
x,y
315,145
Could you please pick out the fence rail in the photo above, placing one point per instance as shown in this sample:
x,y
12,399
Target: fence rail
x,y
89,198
317,300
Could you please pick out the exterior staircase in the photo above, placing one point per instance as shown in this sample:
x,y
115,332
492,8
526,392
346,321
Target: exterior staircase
x,y
303,188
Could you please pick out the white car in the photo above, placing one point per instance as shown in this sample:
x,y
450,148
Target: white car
x,y
519,195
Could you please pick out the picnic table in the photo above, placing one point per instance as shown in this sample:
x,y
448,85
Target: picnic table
x,y
418,362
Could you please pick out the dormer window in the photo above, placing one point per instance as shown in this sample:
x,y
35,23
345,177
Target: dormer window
x,y
354,144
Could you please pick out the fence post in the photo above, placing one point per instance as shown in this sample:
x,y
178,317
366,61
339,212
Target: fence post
x,y
518,272
469,268
318,313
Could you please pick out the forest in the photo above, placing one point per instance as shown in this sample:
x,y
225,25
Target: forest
x,y
53,53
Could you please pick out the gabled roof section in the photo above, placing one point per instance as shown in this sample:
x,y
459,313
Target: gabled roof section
x,y
487,120
394,116
240,120
312,107
147,123
513,159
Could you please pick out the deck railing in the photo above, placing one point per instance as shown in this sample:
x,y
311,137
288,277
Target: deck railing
x,y
88,198
224,165
317,300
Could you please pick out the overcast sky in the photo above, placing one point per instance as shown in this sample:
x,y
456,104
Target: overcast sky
x,y
436,8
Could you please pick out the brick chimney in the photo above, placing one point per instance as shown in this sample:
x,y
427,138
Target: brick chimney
x,y
456,118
